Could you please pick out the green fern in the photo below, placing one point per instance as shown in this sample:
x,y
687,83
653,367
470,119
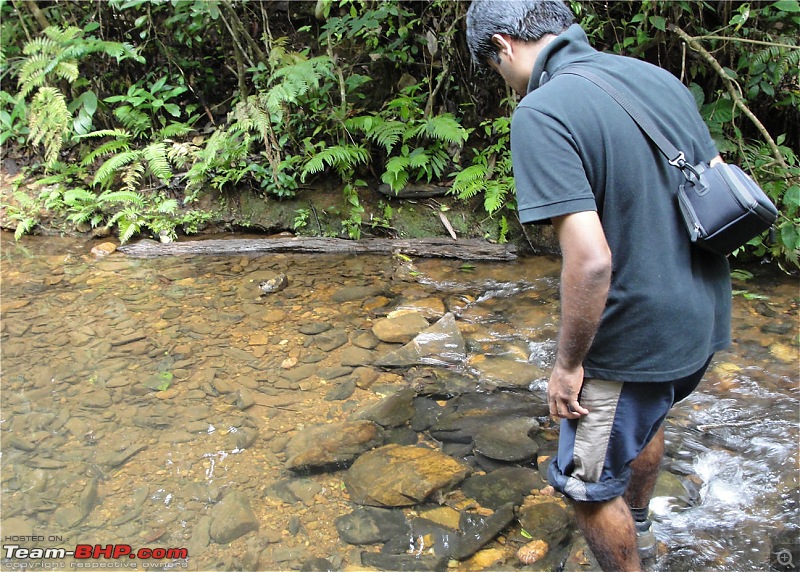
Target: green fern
x,y
49,121
122,197
470,181
443,128
104,175
156,156
343,158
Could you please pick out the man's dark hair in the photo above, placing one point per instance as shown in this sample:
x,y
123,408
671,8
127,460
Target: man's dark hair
x,y
526,20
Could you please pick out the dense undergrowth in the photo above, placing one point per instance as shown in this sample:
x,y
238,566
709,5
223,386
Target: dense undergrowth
x,y
128,112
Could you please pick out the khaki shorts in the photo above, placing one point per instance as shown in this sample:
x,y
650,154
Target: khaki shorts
x,y
595,451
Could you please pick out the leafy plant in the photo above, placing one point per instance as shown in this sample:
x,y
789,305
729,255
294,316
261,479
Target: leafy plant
x,y
51,59
150,111
490,173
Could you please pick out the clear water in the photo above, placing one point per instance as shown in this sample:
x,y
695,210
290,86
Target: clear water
x,y
87,342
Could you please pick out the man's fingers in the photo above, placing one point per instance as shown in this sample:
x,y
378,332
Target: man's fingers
x,y
565,410
575,407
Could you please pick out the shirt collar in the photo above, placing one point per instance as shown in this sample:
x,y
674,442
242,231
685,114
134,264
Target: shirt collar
x,y
569,46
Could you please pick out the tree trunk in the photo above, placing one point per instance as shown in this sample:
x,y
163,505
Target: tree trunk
x,y
463,249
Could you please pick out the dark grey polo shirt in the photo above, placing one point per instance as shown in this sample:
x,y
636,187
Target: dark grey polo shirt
x,y
575,149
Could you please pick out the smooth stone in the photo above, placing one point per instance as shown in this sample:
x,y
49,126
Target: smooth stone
x,y
441,343
353,293
506,373
480,531
342,391
545,518
232,518
401,329
396,475
331,340
392,411
371,525
506,485
314,328
508,440
355,357
335,444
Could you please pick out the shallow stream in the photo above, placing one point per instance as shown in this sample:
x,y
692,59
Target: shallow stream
x,y
138,393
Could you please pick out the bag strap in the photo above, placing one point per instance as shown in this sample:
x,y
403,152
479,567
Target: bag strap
x,y
673,155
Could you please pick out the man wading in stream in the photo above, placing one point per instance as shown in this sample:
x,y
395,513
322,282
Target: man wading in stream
x,y
642,310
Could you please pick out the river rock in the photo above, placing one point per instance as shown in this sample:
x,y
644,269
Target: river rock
x,y
392,411
400,329
330,340
232,518
501,372
440,343
508,440
545,518
506,485
430,308
333,444
470,414
353,293
356,357
478,531
371,525
396,475
104,249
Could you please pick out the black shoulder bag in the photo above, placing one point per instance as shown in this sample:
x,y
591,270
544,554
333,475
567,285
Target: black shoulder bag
x,y
721,206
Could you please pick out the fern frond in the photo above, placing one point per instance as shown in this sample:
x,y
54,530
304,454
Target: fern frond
x,y
129,224
122,198
33,73
49,121
132,174
340,157
385,133
108,169
495,194
79,197
118,133
62,35
107,148
169,206
396,173
446,128
469,182
133,119
173,130
156,156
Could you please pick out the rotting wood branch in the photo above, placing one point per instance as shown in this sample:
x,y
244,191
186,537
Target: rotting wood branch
x,y
462,249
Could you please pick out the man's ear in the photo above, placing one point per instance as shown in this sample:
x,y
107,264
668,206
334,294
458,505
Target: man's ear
x,y
503,43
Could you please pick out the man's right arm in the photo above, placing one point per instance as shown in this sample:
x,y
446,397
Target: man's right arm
x,y
585,281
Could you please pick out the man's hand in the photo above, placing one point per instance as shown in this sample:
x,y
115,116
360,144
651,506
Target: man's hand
x,y
562,393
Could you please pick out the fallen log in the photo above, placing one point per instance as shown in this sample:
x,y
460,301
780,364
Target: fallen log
x,y
462,249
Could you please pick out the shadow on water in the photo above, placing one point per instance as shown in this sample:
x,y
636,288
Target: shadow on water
x,y
137,394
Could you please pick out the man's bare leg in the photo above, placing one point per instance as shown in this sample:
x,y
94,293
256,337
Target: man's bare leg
x,y
645,472
608,528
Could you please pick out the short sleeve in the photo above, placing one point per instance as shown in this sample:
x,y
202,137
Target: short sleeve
x,y
548,171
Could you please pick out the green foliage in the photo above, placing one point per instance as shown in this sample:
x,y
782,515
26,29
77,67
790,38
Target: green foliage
x,y
54,59
491,173
13,119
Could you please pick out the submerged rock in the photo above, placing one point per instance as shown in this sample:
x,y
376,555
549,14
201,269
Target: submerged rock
x,y
506,485
400,329
337,444
231,518
371,525
441,343
396,475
